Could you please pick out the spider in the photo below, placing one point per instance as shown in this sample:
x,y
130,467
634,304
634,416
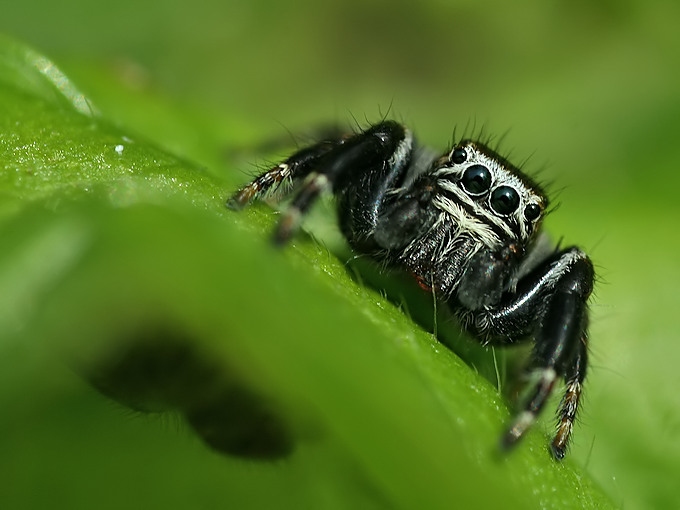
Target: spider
x,y
467,226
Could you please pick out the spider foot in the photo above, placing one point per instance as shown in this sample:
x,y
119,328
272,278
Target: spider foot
x,y
264,185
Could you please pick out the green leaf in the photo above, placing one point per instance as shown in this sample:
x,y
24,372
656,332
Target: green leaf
x,y
33,74
109,243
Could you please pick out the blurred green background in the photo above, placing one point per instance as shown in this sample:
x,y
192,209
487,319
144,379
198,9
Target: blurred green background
x,y
586,91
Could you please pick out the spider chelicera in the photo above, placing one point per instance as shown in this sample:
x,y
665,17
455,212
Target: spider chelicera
x,y
467,226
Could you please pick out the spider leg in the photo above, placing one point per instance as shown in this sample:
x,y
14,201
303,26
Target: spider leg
x,y
371,159
298,166
556,292
575,375
313,186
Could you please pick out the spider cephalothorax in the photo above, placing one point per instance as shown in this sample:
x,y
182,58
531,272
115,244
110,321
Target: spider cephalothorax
x,y
467,225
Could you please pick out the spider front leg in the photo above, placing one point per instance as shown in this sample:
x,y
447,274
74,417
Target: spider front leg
x,y
295,167
574,376
373,158
550,302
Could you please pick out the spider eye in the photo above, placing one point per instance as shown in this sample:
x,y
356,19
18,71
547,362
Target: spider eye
x,y
459,156
532,211
504,200
476,179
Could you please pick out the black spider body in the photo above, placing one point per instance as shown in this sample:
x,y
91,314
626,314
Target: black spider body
x,y
466,225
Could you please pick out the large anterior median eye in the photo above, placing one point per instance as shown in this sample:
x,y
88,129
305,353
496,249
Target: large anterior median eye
x,y
504,200
476,179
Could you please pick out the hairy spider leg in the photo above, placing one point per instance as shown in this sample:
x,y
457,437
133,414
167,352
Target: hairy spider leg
x,y
298,166
313,186
334,165
365,158
362,163
570,402
557,291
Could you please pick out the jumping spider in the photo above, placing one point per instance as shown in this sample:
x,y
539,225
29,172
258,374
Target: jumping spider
x,y
467,226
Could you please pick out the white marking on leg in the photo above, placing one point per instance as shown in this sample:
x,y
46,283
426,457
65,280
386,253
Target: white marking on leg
x,y
521,424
